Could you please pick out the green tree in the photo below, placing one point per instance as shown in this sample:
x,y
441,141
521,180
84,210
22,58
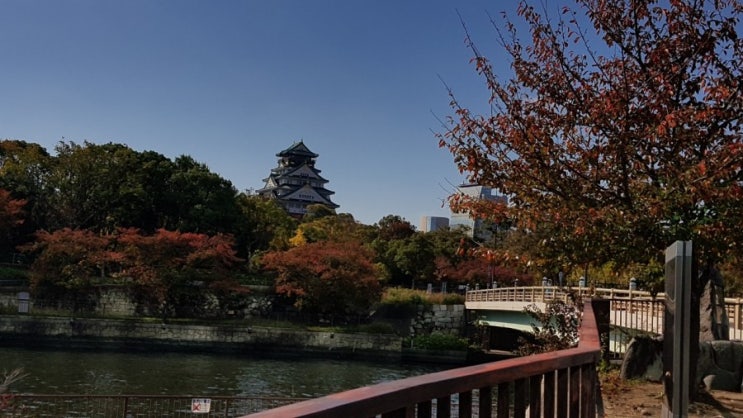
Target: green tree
x,y
87,181
414,258
392,227
24,172
143,195
317,211
263,225
202,201
337,228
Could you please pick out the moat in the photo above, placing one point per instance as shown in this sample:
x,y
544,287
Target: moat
x,y
60,371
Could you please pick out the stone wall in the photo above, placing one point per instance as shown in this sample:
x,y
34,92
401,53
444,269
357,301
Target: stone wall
x,y
445,319
131,334
117,301
9,298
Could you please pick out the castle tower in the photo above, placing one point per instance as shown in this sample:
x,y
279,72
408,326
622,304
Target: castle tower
x,y
295,182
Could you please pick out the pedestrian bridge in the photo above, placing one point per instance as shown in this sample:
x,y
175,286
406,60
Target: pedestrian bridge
x,y
632,312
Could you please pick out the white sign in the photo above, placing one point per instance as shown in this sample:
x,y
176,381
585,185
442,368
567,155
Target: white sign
x,y
201,405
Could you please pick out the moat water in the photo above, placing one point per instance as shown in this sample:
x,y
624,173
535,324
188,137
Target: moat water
x,y
60,371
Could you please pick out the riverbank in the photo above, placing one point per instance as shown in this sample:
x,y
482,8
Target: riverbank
x,y
133,335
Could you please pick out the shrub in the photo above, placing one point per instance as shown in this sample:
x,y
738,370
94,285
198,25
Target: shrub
x,y
399,297
14,274
439,341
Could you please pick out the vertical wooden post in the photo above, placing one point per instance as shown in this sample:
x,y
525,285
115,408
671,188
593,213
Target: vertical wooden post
x,y
443,407
535,396
486,401
465,404
504,400
549,394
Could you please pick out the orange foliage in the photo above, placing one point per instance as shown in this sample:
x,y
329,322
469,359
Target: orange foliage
x,y
171,258
616,156
161,262
11,212
326,277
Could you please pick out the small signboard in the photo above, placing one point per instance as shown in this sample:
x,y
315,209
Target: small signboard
x,y
201,405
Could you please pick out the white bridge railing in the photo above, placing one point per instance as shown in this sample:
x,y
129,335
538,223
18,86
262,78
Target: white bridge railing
x,y
631,310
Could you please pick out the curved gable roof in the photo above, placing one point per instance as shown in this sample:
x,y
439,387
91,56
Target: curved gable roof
x,y
297,148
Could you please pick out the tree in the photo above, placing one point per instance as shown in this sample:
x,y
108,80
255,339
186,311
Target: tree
x,y
263,224
317,211
413,257
614,153
66,262
11,216
174,267
24,172
327,278
393,227
337,228
202,201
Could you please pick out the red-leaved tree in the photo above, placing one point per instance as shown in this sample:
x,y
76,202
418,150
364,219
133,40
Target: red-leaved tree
x,y
66,264
613,152
11,215
326,277
175,268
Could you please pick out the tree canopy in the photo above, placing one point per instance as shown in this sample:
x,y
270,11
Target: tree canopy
x,y
333,278
617,133
11,215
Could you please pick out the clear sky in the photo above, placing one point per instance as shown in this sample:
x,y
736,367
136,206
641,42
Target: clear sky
x,y
231,83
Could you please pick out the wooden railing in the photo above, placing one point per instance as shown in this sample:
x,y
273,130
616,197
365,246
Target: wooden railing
x,y
630,309
555,384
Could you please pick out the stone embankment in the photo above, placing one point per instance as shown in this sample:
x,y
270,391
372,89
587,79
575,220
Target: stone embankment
x,y
445,319
135,335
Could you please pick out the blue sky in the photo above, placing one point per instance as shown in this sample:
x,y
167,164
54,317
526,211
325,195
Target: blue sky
x,y
231,83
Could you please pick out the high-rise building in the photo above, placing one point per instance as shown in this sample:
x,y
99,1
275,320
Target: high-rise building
x,y
474,226
433,223
295,182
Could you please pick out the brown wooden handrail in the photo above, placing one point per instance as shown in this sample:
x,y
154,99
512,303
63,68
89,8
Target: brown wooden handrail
x,y
559,383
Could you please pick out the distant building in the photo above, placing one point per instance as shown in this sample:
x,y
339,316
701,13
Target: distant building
x,y
433,223
474,226
295,182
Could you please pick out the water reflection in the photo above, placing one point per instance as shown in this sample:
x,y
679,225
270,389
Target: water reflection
x,y
170,373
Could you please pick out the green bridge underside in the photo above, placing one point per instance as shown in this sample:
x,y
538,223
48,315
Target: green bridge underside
x,y
507,315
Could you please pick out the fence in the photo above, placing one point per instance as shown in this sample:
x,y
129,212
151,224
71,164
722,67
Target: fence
x,y
131,406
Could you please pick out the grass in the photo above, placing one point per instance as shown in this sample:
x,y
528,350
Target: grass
x,y
400,297
438,341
